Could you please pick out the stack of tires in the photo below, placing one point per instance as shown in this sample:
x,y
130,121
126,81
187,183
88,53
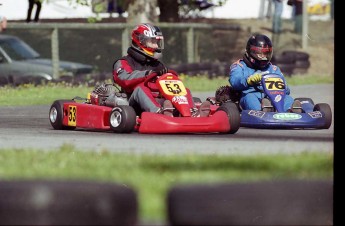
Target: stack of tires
x,y
204,68
292,62
193,69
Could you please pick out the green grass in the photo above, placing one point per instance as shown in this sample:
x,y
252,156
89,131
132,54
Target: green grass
x,y
151,176
45,95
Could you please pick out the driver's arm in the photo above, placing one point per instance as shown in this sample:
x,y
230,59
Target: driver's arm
x,y
126,77
238,76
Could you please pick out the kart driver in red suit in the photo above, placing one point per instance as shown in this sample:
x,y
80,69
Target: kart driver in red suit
x,y
142,58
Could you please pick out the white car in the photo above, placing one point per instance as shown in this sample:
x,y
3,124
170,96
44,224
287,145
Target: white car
x,y
19,63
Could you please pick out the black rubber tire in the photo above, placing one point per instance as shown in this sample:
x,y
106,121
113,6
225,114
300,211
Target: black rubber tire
x,y
197,66
4,80
286,69
305,99
56,113
327,111
234,116
297,55
196,100
290,202
179,68
300,71
122,119
17,80
42,202
283,59
302,64
194,68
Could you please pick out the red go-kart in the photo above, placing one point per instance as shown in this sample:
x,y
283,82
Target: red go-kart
x,y
98,112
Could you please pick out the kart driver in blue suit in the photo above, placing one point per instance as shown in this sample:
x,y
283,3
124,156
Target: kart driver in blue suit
x,y
246,73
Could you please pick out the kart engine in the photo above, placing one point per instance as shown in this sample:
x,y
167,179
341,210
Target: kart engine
x,y
107,95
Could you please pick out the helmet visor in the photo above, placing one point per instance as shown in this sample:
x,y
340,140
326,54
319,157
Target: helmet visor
x,y
153,43
261,53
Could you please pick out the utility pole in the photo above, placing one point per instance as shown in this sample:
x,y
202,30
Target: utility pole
x,y
305,21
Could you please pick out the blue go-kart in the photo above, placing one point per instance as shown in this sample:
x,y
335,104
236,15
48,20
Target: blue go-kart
x,y
273,116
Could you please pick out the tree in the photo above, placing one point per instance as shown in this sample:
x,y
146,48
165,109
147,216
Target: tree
x,y
155,10
168,10
142,11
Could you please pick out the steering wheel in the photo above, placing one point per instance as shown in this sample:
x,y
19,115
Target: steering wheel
x,y
173,72
153,75
258,87
150,77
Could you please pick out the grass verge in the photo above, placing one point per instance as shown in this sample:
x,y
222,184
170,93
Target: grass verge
x,y
46,94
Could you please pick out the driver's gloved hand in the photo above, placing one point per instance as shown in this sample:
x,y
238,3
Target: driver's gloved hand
x,y
160,70
254,79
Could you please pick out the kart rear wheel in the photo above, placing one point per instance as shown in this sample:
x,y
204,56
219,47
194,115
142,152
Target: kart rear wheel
x,y
56,114
234,116
305,99
326,110
122,119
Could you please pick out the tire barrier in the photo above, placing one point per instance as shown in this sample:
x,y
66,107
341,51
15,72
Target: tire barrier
x,y
292,62
206,68
260,203
40,202
291,202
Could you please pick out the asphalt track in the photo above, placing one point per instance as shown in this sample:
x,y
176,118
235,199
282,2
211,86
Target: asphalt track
x,y
29,127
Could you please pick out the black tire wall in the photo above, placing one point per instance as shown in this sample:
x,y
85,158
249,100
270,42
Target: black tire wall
x,y
260,203
39,202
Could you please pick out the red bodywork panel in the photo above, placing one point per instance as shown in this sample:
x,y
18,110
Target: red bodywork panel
x,y
92,116
86,116
82,115
158,123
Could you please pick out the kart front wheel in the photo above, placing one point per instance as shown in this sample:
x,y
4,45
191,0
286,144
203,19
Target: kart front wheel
x,y
122,119
56,114
326,110
234,116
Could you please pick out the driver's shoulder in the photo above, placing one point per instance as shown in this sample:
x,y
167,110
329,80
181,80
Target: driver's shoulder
x,y
274,68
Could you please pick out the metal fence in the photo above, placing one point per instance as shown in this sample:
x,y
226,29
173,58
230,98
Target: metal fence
x,y
100,44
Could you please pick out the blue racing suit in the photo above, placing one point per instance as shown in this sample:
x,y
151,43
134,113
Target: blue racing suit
x,y
250,97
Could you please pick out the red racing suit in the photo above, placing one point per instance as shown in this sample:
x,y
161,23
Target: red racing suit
x,y
129,72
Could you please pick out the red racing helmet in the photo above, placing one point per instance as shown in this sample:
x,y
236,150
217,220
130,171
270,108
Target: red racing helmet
x,y
148,39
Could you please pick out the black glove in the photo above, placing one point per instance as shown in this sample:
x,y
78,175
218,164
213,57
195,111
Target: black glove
x,y
160,70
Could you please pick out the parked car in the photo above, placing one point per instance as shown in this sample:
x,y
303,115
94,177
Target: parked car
x,y
20,63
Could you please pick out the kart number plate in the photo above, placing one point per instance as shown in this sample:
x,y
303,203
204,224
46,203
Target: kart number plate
x,y
274,84
72,115
173,87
